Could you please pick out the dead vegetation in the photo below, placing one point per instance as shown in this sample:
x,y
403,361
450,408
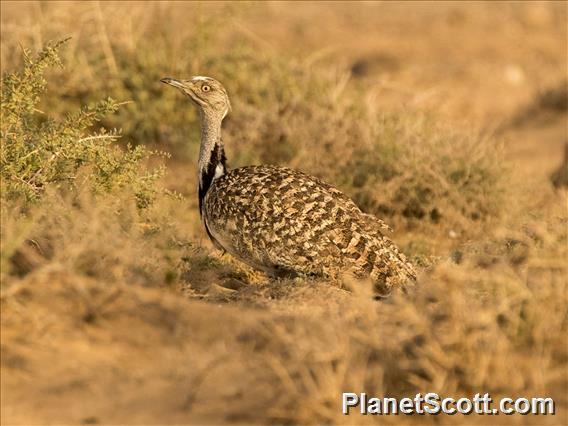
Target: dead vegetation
x,y
116,311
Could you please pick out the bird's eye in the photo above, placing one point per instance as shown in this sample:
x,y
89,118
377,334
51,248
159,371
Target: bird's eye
x,y
205,88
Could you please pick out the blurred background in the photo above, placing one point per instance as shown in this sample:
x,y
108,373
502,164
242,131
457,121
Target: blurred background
x,y
446,119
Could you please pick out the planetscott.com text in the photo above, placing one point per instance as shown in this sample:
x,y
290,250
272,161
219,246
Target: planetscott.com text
x,y
432,403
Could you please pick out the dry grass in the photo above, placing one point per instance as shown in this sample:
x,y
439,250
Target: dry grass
x,y
116,314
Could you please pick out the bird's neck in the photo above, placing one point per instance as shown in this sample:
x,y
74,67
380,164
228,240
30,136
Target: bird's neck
x,y
212,160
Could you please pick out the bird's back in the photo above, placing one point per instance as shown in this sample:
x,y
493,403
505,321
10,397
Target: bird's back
x,y
285,222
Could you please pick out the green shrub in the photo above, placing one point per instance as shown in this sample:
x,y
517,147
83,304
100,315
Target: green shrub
x,y
420,169
39,151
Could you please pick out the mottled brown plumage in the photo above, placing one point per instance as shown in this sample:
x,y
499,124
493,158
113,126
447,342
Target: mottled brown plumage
x,y
283,221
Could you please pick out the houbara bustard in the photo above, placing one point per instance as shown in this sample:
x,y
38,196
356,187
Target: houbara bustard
x,y
282,221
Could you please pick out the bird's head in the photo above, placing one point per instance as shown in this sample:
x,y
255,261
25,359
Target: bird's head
x,y
207,93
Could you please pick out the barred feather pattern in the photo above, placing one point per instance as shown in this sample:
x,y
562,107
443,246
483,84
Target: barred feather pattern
x,y
288,223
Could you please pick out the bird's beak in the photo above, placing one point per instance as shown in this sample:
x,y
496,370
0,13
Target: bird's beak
x,y
173,82
186,88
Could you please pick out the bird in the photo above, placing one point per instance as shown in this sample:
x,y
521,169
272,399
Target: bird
x,y
283,221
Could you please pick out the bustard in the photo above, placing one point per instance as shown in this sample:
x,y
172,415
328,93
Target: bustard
x,y
283,221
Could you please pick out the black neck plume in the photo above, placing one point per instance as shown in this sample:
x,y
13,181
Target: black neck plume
x,y
214,168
